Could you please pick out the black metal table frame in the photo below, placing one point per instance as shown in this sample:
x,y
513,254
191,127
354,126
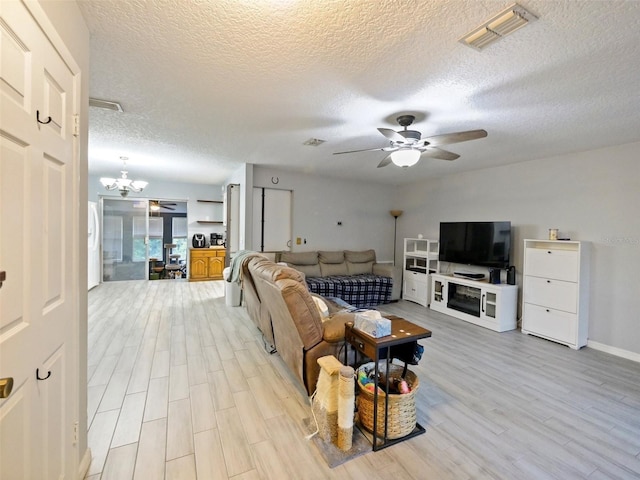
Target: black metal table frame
x,y
419,429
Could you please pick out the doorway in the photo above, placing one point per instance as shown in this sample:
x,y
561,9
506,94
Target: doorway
x,y
138,235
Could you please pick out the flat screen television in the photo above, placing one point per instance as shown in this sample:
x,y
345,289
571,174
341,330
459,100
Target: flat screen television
x,y
485,244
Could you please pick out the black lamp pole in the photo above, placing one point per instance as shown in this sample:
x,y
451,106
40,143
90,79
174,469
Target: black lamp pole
x,y
395,214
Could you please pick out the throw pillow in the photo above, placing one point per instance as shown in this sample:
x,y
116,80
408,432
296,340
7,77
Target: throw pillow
x,y
321,305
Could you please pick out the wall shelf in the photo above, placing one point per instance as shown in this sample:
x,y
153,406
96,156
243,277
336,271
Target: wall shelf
x,y
211,222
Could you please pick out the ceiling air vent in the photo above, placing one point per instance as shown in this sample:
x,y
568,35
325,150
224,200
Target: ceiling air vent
x,y
314,142
115,106
501,25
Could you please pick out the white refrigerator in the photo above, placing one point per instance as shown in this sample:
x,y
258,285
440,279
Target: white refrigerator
x,y
93,260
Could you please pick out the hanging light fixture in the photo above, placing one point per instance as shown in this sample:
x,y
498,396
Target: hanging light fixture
x,y
405,157
123,184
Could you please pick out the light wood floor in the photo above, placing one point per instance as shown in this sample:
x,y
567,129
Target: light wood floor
x,y
181,388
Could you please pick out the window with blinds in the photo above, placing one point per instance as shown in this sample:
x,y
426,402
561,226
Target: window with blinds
x,y
179,232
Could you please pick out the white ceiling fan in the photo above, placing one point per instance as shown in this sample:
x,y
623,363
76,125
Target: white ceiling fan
x,y
407,146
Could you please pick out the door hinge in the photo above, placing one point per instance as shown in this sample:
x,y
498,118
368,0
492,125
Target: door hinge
x,y
76,125
76,426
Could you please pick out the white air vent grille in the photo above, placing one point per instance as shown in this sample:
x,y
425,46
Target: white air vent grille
x,y
314,142
500,25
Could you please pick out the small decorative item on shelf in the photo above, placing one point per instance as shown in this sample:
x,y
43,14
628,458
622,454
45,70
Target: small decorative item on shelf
x,y
553,234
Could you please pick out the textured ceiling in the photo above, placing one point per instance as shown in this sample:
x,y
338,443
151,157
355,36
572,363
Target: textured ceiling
x,y
208,85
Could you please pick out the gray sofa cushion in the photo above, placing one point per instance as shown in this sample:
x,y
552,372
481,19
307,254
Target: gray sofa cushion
x,y
360,257
305,262
359,263
331,257
330,269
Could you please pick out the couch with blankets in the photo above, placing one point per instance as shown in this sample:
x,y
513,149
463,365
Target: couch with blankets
x,y
353,276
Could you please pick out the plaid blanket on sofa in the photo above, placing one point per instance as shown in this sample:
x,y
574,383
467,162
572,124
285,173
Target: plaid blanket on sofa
x,y
361,291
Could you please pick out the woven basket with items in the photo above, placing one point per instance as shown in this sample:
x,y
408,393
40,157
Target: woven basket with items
x,y
402,406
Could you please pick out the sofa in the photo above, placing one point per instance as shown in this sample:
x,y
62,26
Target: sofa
x,y
298,325
353,276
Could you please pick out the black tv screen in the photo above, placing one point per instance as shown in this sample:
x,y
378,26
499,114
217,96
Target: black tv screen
x,y
485,244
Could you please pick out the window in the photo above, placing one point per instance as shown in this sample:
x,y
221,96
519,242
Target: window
x,y
155,238
112,238
179,235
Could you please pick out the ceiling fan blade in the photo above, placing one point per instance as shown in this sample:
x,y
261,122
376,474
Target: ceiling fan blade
x,y
383,149
168,208
440,154
365,150
392,135
385,161
457,137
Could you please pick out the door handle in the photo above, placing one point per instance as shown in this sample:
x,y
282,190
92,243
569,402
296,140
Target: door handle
x,y
6,384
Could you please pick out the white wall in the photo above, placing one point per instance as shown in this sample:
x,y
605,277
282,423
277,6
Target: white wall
x,y
319,203
185,192
591,196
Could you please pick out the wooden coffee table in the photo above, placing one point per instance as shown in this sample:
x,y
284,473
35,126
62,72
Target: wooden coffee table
x,y
402,331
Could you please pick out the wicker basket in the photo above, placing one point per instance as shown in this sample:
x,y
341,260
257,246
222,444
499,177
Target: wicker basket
x,y
402,407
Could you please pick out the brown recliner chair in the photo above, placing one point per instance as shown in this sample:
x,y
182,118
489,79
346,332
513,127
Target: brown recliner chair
x,y
257,311
300,334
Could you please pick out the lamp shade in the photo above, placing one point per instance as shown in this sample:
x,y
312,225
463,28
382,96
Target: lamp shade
x,y
405,157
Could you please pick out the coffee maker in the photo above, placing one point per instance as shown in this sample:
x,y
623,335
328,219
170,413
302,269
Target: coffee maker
x,y
217,239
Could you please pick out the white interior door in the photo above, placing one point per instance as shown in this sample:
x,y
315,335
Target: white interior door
x,y
271,219
38,250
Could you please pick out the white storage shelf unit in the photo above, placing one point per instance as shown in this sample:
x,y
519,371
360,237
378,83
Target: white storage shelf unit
x,y
420,259
555,291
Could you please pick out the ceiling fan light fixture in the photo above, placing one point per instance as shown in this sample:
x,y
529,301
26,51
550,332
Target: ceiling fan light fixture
x,y
405,157
498,26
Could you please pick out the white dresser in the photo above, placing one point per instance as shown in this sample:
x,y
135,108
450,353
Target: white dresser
x,y
555,295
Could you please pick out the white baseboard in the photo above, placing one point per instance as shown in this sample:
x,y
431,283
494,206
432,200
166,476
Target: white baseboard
x,y
85,463
618,352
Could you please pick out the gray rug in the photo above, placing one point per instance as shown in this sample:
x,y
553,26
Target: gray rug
x,y
332,454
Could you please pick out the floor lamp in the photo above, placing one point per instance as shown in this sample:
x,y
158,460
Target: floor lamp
x,y
395,214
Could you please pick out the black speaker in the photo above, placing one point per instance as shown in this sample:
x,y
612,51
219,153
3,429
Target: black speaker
x,y
511,275
494,275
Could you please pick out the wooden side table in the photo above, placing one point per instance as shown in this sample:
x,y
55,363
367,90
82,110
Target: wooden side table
x,y
402,331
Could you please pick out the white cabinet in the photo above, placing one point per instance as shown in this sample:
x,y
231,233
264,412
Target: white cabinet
x,y
492,306
420,259
555,296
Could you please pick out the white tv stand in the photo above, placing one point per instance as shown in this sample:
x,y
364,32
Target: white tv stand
x,y
493,306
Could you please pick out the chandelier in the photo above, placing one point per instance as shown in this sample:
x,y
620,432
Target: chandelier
x,y
123,184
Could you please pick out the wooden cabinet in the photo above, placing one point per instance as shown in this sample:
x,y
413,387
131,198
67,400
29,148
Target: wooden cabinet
x,y
206,263
555,291
420,259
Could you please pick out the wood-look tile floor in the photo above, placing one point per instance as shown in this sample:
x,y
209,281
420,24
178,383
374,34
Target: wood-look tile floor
x,y
180,387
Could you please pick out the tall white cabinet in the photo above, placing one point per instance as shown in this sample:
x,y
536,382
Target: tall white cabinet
x,y
555,293
420,259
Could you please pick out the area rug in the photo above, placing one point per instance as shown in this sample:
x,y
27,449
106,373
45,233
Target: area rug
x,y
332,454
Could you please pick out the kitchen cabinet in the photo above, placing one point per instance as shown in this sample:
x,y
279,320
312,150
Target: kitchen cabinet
x,y
206,263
